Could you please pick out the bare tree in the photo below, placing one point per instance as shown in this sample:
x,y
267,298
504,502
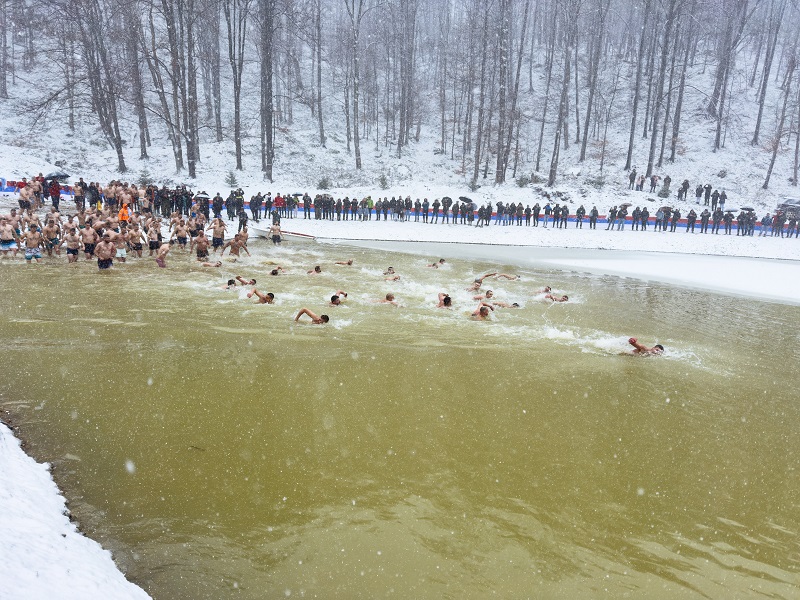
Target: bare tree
x,y
267,106
777,10
640,56
236,13
776,142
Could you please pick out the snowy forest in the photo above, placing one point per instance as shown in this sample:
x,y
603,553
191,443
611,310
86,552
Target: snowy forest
x,y
504,88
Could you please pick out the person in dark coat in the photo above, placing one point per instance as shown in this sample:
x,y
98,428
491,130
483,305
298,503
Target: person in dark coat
x,y
579,214
612,216
704,217
593,214
691,218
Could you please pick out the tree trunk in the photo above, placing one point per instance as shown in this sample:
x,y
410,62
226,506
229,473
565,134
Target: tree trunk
x,y
779,134
236,12
515,94
637,83
267,112
504,35
3,49
549,66
662,73
318,49
595,65
776,19
482,97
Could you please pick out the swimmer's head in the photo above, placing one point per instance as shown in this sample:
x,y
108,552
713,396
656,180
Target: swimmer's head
x,y
390,297
489,293
252,282
659,348
447,300
231,282
317,269
564,298
335,299
273,272
271,296
390,270
324,318
547,289
484,311
515,305
441,261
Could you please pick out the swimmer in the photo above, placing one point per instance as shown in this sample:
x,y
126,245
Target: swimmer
x,y
245,281
476,285
642,350
389,299
481,313
389,271
277,271
230,285
315,271
394,277
344,262
555,298
436,265
505,305
262,298
210,264
547,289
489,294
315,319
507,276
445,301
336,299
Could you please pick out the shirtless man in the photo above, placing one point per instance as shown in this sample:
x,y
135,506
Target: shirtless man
x,y
436,265
34,242
277,270
217,234
389,299
236,245
152,236
73,243
50,233
344,262
488,295
315,271
315,319
244,281
444,300
642,350
262,298
136,240
105,250
275,233
481,313
505,305
181,234
9,240
121,242
201,243
507,276
555,298
476,285
25,196
210,264
89,237
35,187
336,299
161,257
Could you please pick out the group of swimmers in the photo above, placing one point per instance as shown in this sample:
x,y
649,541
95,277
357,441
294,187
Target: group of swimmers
x,y
487,302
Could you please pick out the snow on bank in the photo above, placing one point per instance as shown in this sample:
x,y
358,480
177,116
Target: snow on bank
x,y
41,552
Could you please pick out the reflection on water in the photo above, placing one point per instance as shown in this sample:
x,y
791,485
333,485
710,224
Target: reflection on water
x,y
220,449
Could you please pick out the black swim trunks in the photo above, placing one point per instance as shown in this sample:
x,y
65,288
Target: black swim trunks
x,y
153,245
104,263
136,246
88,248
217,242
202,254
73,251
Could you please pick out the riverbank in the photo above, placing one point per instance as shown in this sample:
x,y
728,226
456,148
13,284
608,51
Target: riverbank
x,y
44,554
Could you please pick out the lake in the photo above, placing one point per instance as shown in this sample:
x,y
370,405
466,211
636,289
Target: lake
x,y
220,449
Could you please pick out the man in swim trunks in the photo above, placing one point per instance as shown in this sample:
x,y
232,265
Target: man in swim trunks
x,y
136,240
73,243
389,299
34,242
105,251
642,350
181,234
9,240
201,243
236,245
444,300
315,271
50,233
90,238
275,233
315,319
217,234
336,299
120,240
436,265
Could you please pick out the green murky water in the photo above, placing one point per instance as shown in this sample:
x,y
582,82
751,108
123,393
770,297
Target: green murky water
x,y
221,450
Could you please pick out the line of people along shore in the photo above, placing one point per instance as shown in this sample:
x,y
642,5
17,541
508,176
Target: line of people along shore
x,y
165,201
